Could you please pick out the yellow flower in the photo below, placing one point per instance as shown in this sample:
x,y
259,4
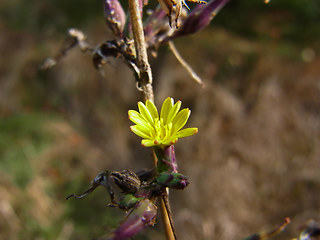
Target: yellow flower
x,y
163,130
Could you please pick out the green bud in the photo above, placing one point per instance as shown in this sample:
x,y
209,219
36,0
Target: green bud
x,y
128,201
172,180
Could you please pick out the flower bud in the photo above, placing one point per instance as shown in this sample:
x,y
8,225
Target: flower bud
x,y
172,180
115,16
199,18
142,216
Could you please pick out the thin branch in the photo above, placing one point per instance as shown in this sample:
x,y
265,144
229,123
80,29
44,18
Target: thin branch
x,y
145,76
185,64
75,38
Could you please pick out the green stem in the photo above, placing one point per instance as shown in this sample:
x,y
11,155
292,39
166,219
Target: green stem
x,y
161,166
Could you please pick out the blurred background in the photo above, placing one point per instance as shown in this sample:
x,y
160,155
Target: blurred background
x,y
255,160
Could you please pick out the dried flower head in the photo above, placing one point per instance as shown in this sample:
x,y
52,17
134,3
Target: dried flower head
x,y
173,9
199,18
163,130
115,16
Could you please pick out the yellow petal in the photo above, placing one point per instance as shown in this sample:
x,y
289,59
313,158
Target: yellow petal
x,y
145,113
147,143
173,112
137,118
170,141
181,119
165,109
138,131
145,130
152,109
186,132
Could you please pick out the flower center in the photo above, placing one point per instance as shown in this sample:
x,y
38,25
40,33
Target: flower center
x,y
162,131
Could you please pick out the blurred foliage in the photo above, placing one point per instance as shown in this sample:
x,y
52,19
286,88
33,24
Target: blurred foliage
x,y
285,19
258,120
37,16
21,136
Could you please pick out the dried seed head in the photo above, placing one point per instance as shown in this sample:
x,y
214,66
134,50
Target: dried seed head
x,y
173,9
199,18
115,16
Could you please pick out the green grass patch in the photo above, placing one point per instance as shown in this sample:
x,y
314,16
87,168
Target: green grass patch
x,y
22,137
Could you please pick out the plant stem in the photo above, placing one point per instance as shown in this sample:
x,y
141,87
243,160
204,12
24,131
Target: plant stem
x,y
145,81
145,76
166,216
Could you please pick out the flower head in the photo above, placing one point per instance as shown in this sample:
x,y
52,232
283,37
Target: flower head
x,y
163,130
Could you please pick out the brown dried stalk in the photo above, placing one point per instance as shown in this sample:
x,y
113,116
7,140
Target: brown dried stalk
x,y
145,76
145,82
